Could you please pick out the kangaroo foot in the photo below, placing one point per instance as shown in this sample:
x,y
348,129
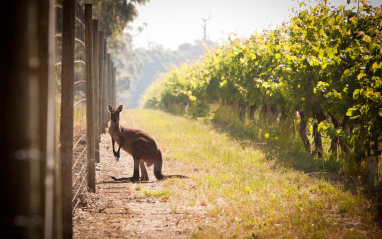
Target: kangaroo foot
x,y
131,179
117,155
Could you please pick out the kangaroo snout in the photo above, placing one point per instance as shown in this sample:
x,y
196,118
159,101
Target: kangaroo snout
x,y
115,118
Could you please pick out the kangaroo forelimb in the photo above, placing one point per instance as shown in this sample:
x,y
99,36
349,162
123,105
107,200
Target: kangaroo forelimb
x,y
113,142
116,154
119,149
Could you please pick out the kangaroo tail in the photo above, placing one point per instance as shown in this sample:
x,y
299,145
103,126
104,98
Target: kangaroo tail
x,y
158,169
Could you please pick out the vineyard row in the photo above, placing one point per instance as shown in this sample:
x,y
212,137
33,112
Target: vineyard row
x,y
325,64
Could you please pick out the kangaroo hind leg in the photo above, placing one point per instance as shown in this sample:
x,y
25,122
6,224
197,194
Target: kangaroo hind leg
x,y
158,166
144,175
135,177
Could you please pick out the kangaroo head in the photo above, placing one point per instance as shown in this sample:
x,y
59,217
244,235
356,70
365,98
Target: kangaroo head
x,y
114,114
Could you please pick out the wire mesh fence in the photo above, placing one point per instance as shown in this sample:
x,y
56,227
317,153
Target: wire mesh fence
x,y
79,168
81,173
49,147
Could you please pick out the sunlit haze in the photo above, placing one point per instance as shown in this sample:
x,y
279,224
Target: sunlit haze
x,y
173,22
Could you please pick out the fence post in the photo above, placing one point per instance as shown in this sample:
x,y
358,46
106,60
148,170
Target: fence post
x,y
66,126
106,85
114,85
47,16
112,90
101,76
110,81
26,73
96,88
89,96
105,88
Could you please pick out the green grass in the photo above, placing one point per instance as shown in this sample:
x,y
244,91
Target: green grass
x,y
155,193
250,191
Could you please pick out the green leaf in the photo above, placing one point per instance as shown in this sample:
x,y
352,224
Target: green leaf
x,y
350,112
367,38
356,94
360,75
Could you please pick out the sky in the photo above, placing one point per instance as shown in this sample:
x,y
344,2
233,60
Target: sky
x,y
173,22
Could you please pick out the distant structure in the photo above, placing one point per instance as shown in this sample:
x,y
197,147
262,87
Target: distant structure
x,y
150,44
204,25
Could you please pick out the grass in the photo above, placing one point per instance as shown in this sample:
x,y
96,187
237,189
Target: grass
x,y
251,191
155,193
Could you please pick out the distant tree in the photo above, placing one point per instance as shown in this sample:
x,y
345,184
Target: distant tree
x,y
157,60
114,15
126,60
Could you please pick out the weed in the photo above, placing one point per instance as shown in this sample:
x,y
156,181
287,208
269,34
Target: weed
x,y
155,193
173,208
138,187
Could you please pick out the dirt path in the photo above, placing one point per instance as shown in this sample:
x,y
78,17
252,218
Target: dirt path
x,y
121,210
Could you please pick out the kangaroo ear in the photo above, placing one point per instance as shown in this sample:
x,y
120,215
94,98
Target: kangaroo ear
x,y
120,108
110,108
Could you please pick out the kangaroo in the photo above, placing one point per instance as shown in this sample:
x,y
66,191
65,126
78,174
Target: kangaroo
x,y
140,145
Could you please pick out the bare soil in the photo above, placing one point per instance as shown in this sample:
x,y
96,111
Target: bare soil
x,y
121,210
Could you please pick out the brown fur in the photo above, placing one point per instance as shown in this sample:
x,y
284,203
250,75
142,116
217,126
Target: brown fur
x,y
139,144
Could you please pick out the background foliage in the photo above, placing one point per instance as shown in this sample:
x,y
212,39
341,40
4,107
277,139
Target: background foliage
x,y
114,15
155,61
324,67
